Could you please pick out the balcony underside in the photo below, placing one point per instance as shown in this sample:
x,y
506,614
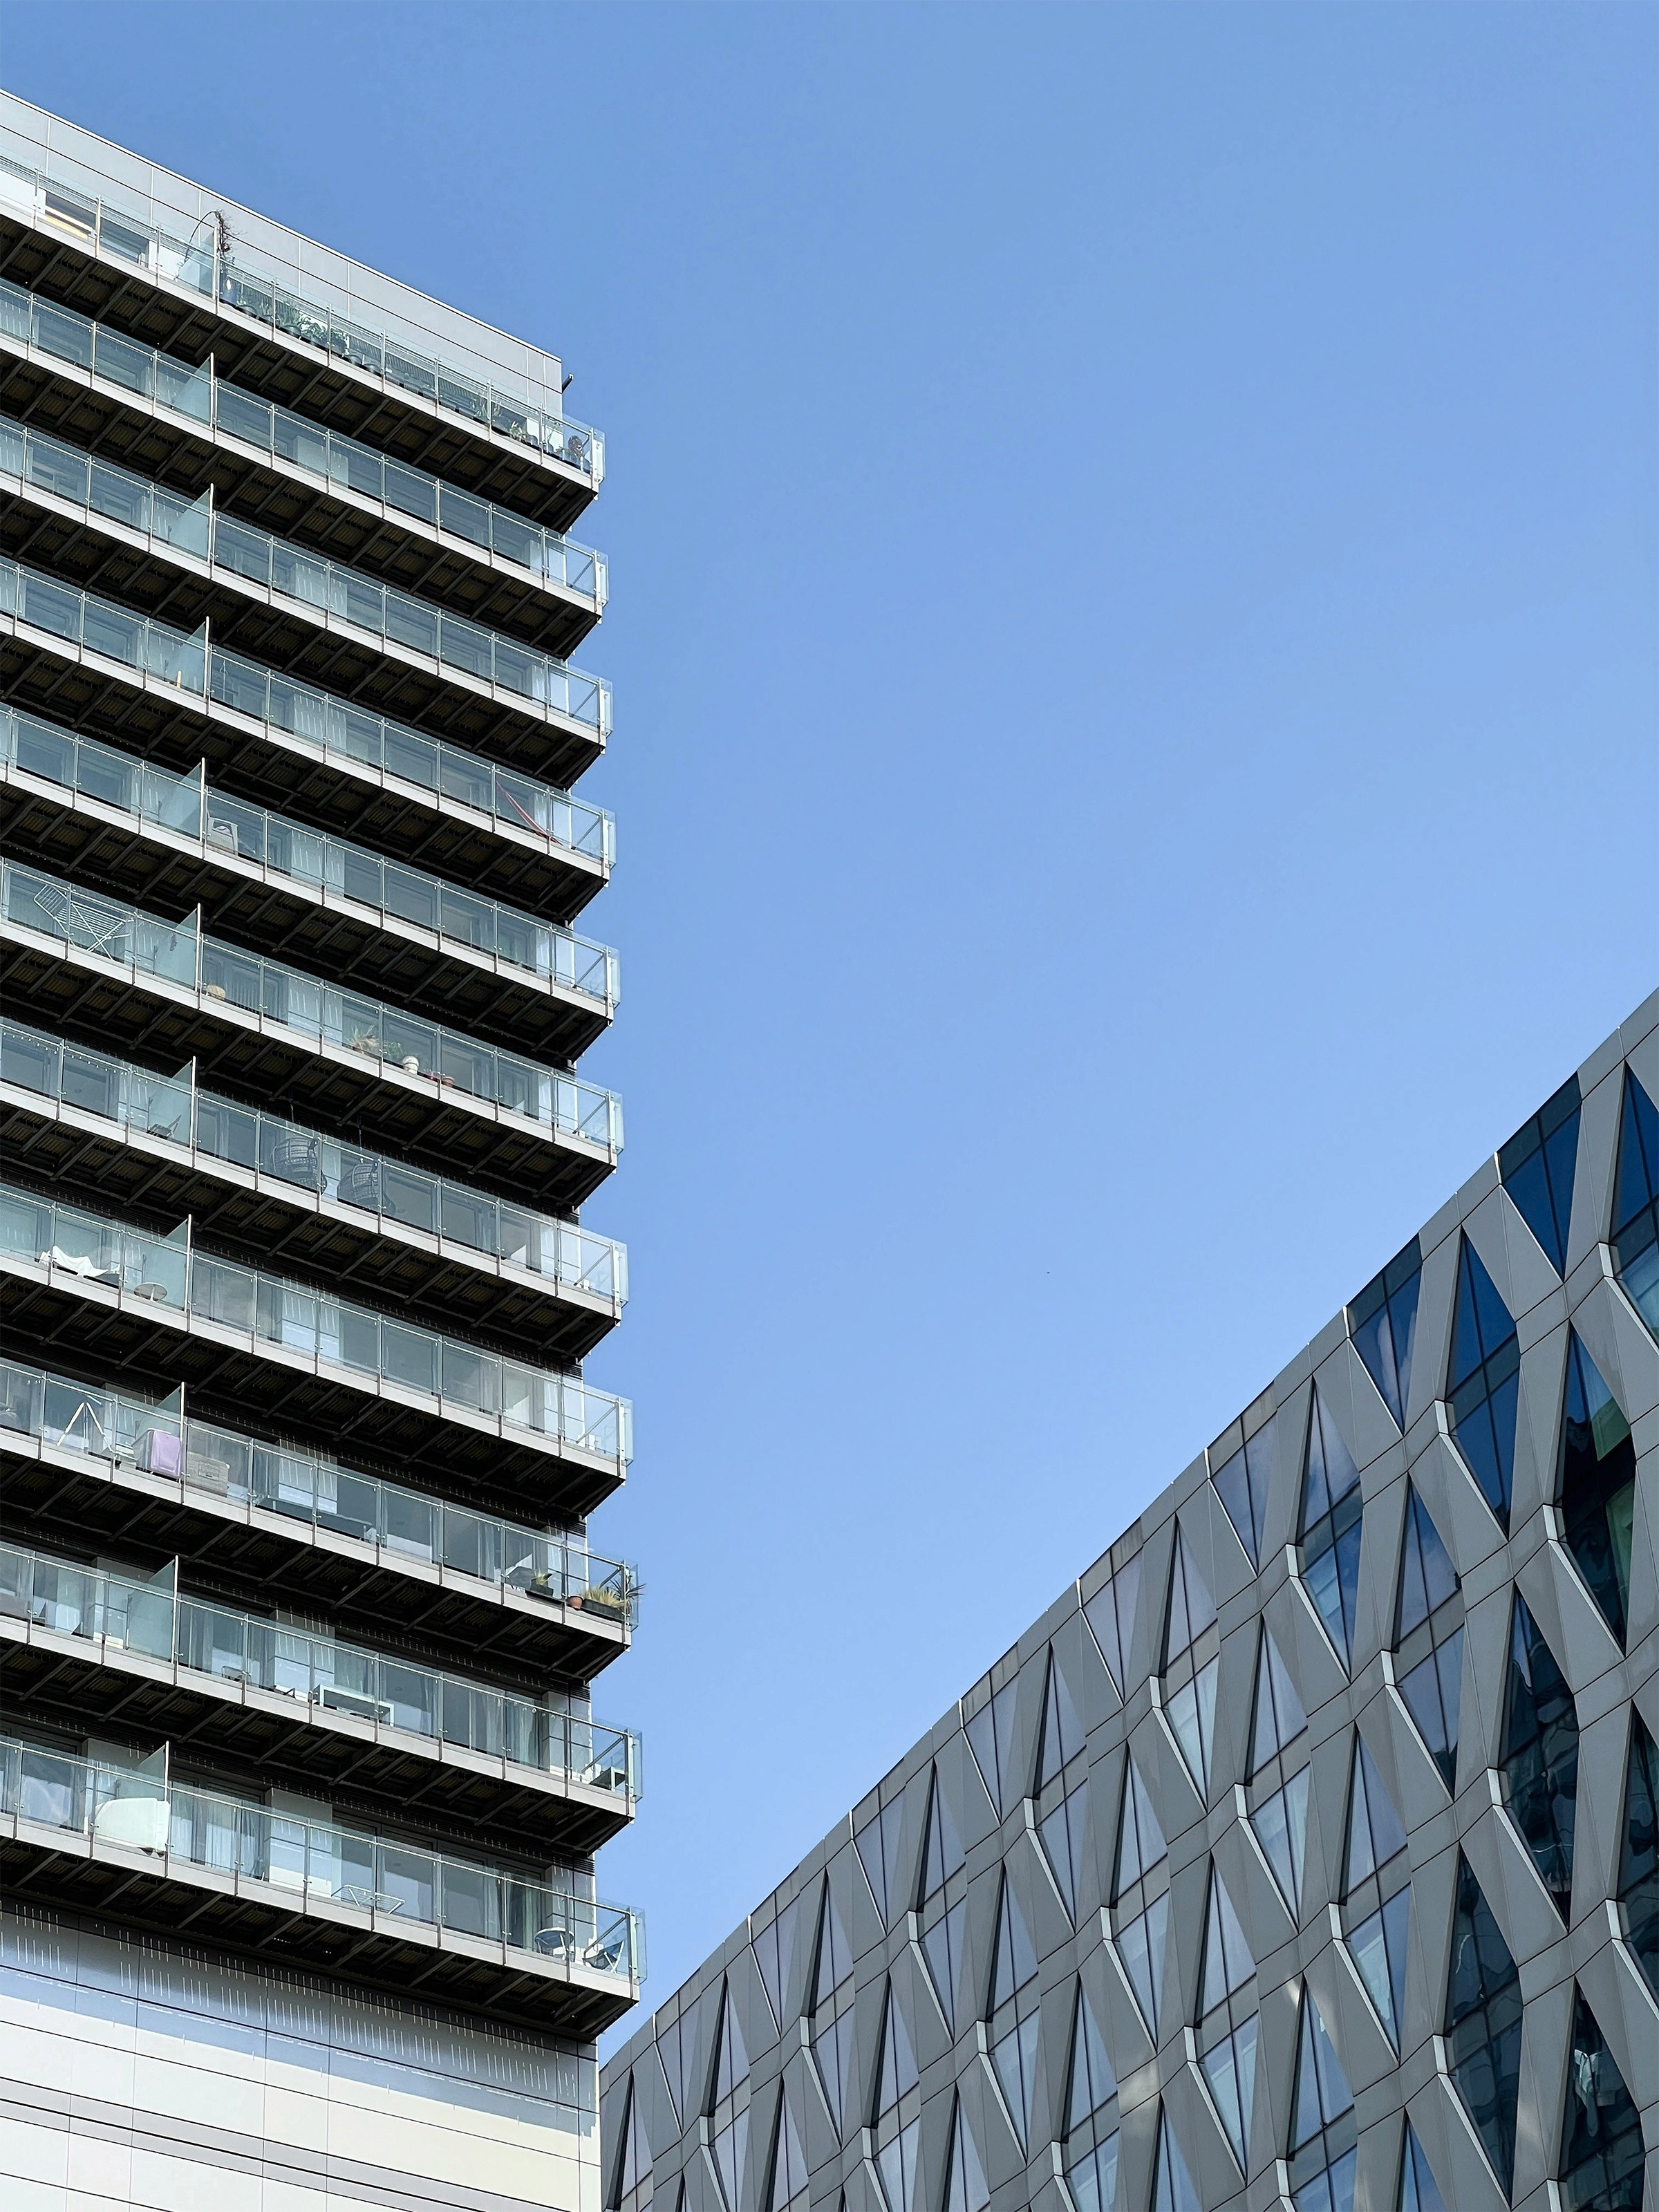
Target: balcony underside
x,y
260,1920
264,1221
377,674
59,988
53,1497
254,761
55,398
151,1348
448,1793
295,375
334,939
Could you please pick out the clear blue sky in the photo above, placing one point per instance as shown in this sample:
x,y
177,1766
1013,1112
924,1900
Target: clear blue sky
x,y
1134,539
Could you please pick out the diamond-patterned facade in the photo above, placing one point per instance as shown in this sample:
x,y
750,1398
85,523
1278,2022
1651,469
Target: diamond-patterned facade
x,y
1340,1837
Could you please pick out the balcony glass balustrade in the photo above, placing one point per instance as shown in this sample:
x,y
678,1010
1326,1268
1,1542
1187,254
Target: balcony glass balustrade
x,y
100,212
304,580
282,847
391,1883
197,396
396,1523
336,1334
172,1110
144,945
227,1645
314,719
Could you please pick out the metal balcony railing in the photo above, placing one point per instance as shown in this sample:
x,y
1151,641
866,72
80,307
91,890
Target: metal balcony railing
x,y
304,580
144,945
332,1333
172,1110
397,1524
109,216
314,719
390,1883
197,396
148,1619
309,857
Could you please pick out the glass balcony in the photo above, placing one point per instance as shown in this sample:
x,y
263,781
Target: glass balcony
x,y
199,396
171,231
397,1524
306,580
221,975
390,1884
333,1333
314,719
228,1646
170,1110
309,857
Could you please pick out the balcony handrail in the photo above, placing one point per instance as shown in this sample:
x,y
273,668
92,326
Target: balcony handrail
x,y
142,943
552,954
226,1644
388,1883
326,725
116,221
166,1270
172,1109
331,589
401,1524
201,396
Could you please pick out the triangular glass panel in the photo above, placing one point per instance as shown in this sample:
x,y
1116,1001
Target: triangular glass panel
x,y
1192,1716
1227,1961
1140,1946
775,1953
1230,2070
1601,2159
1140,1844
789,2160
895,2068
1377,1947
1418,2190
1427,1576
1173,2190
1014,2057
730,2148
941,1949
1091,2177
1062,1835
833,1959
1093,2081
1279,1718
896,2162
1636,1203
1384,1323
1062,1732
1191,1608
1110,1613
1376,1833
1432,1691
633,2161
1241,1484
876,1844
1015,1961
676,2047
1321,2093
1539,1767
1280,1823
1638,1852
1330,1529
1596,1484
941,1849
964,2187
990,1738
1536,1168
730,2059
1483,2024
832,2052
1483,1382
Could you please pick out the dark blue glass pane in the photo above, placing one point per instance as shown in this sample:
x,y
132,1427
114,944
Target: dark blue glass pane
x,y
1427,1576
1529,1186
1383,1320
1638,1155
1596,1484
1402,1325
1537,1167
1638,1852
1483,2023
1540,1764
1601,2160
